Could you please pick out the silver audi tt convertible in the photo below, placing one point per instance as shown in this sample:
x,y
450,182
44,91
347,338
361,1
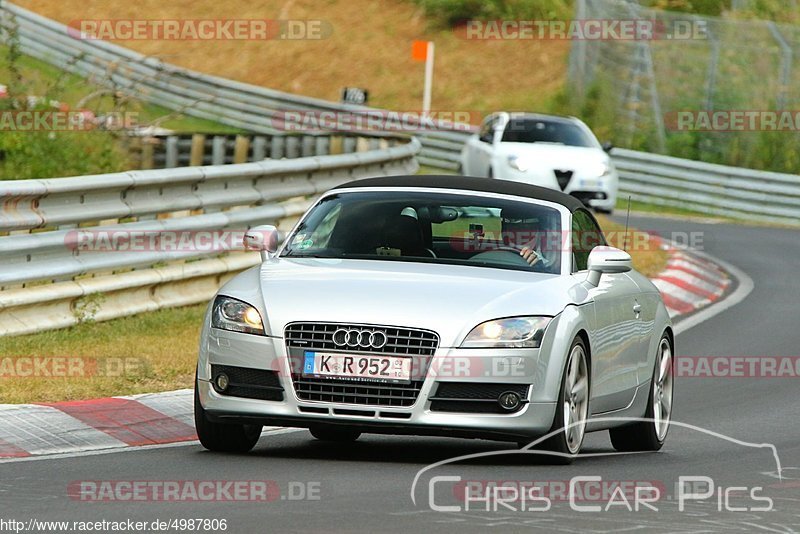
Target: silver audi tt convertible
x,y
438,305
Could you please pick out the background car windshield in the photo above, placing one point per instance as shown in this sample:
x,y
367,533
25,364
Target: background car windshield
x,y
431,228
527,130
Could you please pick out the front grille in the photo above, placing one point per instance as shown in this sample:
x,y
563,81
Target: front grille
x,y
415,343
248,383
356,391
472,397
563,178
400,341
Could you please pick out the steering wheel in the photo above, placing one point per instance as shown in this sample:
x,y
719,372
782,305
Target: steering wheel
x,y
508,255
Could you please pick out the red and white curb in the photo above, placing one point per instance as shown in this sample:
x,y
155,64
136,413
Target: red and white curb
x,y
77,426
688,284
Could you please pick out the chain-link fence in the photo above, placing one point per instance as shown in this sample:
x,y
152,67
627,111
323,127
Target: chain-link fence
x,y
716,89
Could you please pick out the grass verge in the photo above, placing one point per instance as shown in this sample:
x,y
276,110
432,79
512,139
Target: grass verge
x,y
149,352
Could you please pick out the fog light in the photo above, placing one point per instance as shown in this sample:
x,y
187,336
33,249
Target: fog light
x,y
509,401
222,382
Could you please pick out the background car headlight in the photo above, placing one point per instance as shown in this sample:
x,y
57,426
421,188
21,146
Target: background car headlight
x,y
523,332
520,163
237,316
599,169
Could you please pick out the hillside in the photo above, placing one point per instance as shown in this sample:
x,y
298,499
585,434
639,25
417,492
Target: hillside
x,y
369,47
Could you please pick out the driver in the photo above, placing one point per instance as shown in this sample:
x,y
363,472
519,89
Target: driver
x,y
531,233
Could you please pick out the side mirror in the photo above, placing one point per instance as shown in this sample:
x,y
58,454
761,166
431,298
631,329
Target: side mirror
x,y
607,146
263,238
607,260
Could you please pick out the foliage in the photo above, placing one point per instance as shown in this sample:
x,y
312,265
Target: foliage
x,y
451,12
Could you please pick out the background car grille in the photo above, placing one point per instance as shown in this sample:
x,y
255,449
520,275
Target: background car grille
x,y
420,344
472,397
249,383
563,178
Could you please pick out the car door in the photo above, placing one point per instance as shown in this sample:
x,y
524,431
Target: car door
x,y
615,340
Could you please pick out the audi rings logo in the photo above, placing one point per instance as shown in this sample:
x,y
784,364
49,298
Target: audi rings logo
x,y
365,339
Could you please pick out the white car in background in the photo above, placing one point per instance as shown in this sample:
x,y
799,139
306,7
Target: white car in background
x,y
560,153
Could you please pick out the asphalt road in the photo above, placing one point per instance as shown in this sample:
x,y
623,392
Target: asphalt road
x,y
366,486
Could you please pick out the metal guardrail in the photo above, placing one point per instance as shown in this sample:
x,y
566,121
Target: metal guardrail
x,y
46,281
709,188
160,151
248,107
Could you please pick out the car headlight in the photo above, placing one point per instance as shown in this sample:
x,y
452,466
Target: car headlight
x,y
521,163
236,316
514,332
599,169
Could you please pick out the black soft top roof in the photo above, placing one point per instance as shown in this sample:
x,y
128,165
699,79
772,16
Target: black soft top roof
x,y
469,183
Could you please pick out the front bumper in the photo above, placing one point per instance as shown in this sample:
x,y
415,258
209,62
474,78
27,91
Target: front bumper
x,y
581,186
533,420
448,365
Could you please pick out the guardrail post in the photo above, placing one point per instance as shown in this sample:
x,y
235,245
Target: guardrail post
x,y
322,146
259,148
292,147
336,145
308,146
172,152
218,150
198,148
241,149
276,150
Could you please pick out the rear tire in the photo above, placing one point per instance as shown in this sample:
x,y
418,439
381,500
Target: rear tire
x,y
223,437
650,435
332,433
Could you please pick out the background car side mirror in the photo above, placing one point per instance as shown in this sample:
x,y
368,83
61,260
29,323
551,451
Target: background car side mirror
x,y
607,146
263,238
607,260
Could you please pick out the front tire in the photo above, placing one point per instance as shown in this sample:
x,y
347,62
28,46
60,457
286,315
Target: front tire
x,y
572,409
223,437
649,435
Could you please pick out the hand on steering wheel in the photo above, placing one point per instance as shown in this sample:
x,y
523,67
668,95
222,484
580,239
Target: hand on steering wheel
x,y
526,254
530,255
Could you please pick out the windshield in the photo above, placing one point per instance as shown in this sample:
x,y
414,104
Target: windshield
x,y
528,130
431,228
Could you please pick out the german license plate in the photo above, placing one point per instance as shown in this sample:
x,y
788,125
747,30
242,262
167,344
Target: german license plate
x,y
357,366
